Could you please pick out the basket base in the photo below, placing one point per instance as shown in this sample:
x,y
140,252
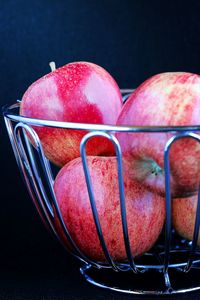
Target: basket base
x,y
149,283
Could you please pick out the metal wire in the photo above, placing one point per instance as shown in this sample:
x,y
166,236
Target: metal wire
x,y
20,131
14,116
122,198
169,143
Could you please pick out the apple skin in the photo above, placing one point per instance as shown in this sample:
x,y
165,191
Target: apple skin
x,y
80,92
145,210
166,99
183,216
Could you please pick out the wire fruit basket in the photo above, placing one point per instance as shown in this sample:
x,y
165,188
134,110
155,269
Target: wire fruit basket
x,y
173,261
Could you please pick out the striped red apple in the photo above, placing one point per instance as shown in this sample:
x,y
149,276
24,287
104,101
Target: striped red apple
x,y
167,99
79,92
145,210
184,215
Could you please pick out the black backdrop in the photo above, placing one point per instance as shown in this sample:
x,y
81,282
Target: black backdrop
x,y
132,39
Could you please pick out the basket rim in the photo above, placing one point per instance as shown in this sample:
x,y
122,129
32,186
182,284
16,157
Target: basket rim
x,y
9,113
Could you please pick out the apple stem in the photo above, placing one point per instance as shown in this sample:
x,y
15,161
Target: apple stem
x,y
156,169
52,66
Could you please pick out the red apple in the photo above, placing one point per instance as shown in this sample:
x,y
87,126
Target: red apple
x,y
183,216
167,99
145,210
80,92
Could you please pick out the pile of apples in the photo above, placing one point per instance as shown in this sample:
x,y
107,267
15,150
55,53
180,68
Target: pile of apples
x,y
84,92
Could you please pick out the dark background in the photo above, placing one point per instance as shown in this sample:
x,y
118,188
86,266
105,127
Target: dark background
x,y
133,40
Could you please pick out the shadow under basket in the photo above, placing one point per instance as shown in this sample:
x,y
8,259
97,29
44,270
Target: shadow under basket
x,y
171,266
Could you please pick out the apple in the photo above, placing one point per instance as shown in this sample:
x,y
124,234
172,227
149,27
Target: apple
x,y
183,216
166,99
80,92
145,210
